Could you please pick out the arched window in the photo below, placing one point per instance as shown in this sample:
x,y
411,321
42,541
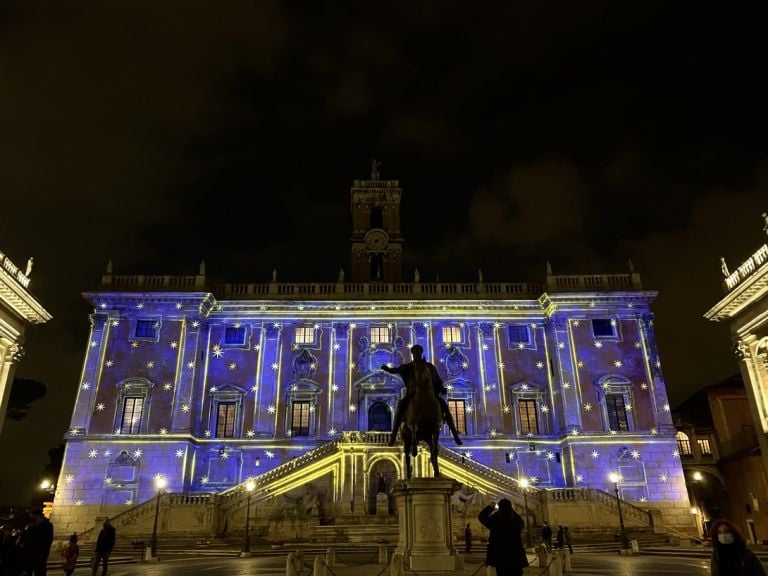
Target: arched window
x,y
133,406
379,417
226,412
531,413
301,400
683,444
616,395
377,217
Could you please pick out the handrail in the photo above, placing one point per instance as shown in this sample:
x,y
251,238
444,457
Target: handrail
x,y
507,481
602,497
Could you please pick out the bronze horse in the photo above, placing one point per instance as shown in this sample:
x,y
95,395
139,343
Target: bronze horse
x,y
423,420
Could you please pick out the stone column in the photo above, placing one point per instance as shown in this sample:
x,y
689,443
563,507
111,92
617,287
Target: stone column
x,y
659,396
750,374
88,385
10,356
424,516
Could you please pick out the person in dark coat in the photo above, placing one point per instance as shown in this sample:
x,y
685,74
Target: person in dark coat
x,y
104,545
467,539
730,555
546,535
505,542
567,538
560,537
70,553
35,544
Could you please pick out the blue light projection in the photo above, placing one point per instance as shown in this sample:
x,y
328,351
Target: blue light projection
x,y
208,393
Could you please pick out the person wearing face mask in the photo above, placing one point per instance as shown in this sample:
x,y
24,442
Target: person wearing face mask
x,y
730,555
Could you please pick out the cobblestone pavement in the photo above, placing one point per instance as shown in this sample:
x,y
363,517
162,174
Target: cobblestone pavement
x,y
357,565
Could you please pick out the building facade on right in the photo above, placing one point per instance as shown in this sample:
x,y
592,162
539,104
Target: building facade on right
x,y
744,307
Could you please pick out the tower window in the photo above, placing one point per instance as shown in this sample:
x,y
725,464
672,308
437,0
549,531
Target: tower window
x,y
519,334
225,419
146,329
604,328
529,421
130,423
300,418
451,334
683,444
705,448
305,335
457,409
616,407
379,335
377,217
234,335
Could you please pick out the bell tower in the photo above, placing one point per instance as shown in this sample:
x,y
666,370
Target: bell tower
x,y
377,246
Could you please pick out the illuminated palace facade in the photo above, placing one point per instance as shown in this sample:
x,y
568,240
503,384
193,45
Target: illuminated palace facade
x,y
208,385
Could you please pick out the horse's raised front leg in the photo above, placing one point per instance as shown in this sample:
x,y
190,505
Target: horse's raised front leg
x,y
433,456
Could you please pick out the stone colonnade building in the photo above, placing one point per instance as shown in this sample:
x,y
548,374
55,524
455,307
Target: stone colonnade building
x,y
18,309
207,385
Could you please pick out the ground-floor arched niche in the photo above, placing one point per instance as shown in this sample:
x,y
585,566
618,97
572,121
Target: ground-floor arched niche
x,y
382,474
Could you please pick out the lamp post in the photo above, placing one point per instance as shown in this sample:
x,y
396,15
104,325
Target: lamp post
x,y
524,483
696,509
249,486
160,483
616,478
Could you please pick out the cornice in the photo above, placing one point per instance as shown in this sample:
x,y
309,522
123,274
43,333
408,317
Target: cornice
x,y
750,290
17,299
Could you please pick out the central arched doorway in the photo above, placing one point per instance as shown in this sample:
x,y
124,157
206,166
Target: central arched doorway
x,y
379,417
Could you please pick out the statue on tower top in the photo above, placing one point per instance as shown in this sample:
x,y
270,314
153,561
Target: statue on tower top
x,y
375,169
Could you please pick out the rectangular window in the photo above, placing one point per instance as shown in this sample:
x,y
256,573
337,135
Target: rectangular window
x,y
451,334
146,329
529,418
234,335
705,448
300,418
305,335
519,334
604,328
130,423
617,412
225,419
458,408
379,335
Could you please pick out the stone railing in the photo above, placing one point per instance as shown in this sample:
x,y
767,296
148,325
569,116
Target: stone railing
x,y
599,282
505,483
365,437
142,282
379,290
603,498
747,268
232,496
14,270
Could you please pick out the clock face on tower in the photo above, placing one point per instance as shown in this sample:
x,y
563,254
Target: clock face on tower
x,y
376,240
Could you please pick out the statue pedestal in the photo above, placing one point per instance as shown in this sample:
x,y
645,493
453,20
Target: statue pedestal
x,y
382,505
424,517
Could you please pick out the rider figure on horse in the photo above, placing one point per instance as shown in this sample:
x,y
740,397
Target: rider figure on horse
x,y
410,372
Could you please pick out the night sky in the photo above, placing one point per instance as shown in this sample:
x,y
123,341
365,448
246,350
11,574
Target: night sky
x,y
157,134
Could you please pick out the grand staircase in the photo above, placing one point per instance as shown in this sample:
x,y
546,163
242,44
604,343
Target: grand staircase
x,y
484,484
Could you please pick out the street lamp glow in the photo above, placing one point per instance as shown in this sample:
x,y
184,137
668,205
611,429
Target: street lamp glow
x,y
523,483
250,485
161,482
613,477
45,484
694,510
697,476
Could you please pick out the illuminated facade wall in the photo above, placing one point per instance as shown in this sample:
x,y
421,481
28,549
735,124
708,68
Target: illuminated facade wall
x,y
562,389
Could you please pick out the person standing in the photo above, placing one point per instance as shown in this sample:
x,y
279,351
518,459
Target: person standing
x,y
567,538
467,539
35,544
560,537
104,545
70,553
730,555
546,535
505,542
